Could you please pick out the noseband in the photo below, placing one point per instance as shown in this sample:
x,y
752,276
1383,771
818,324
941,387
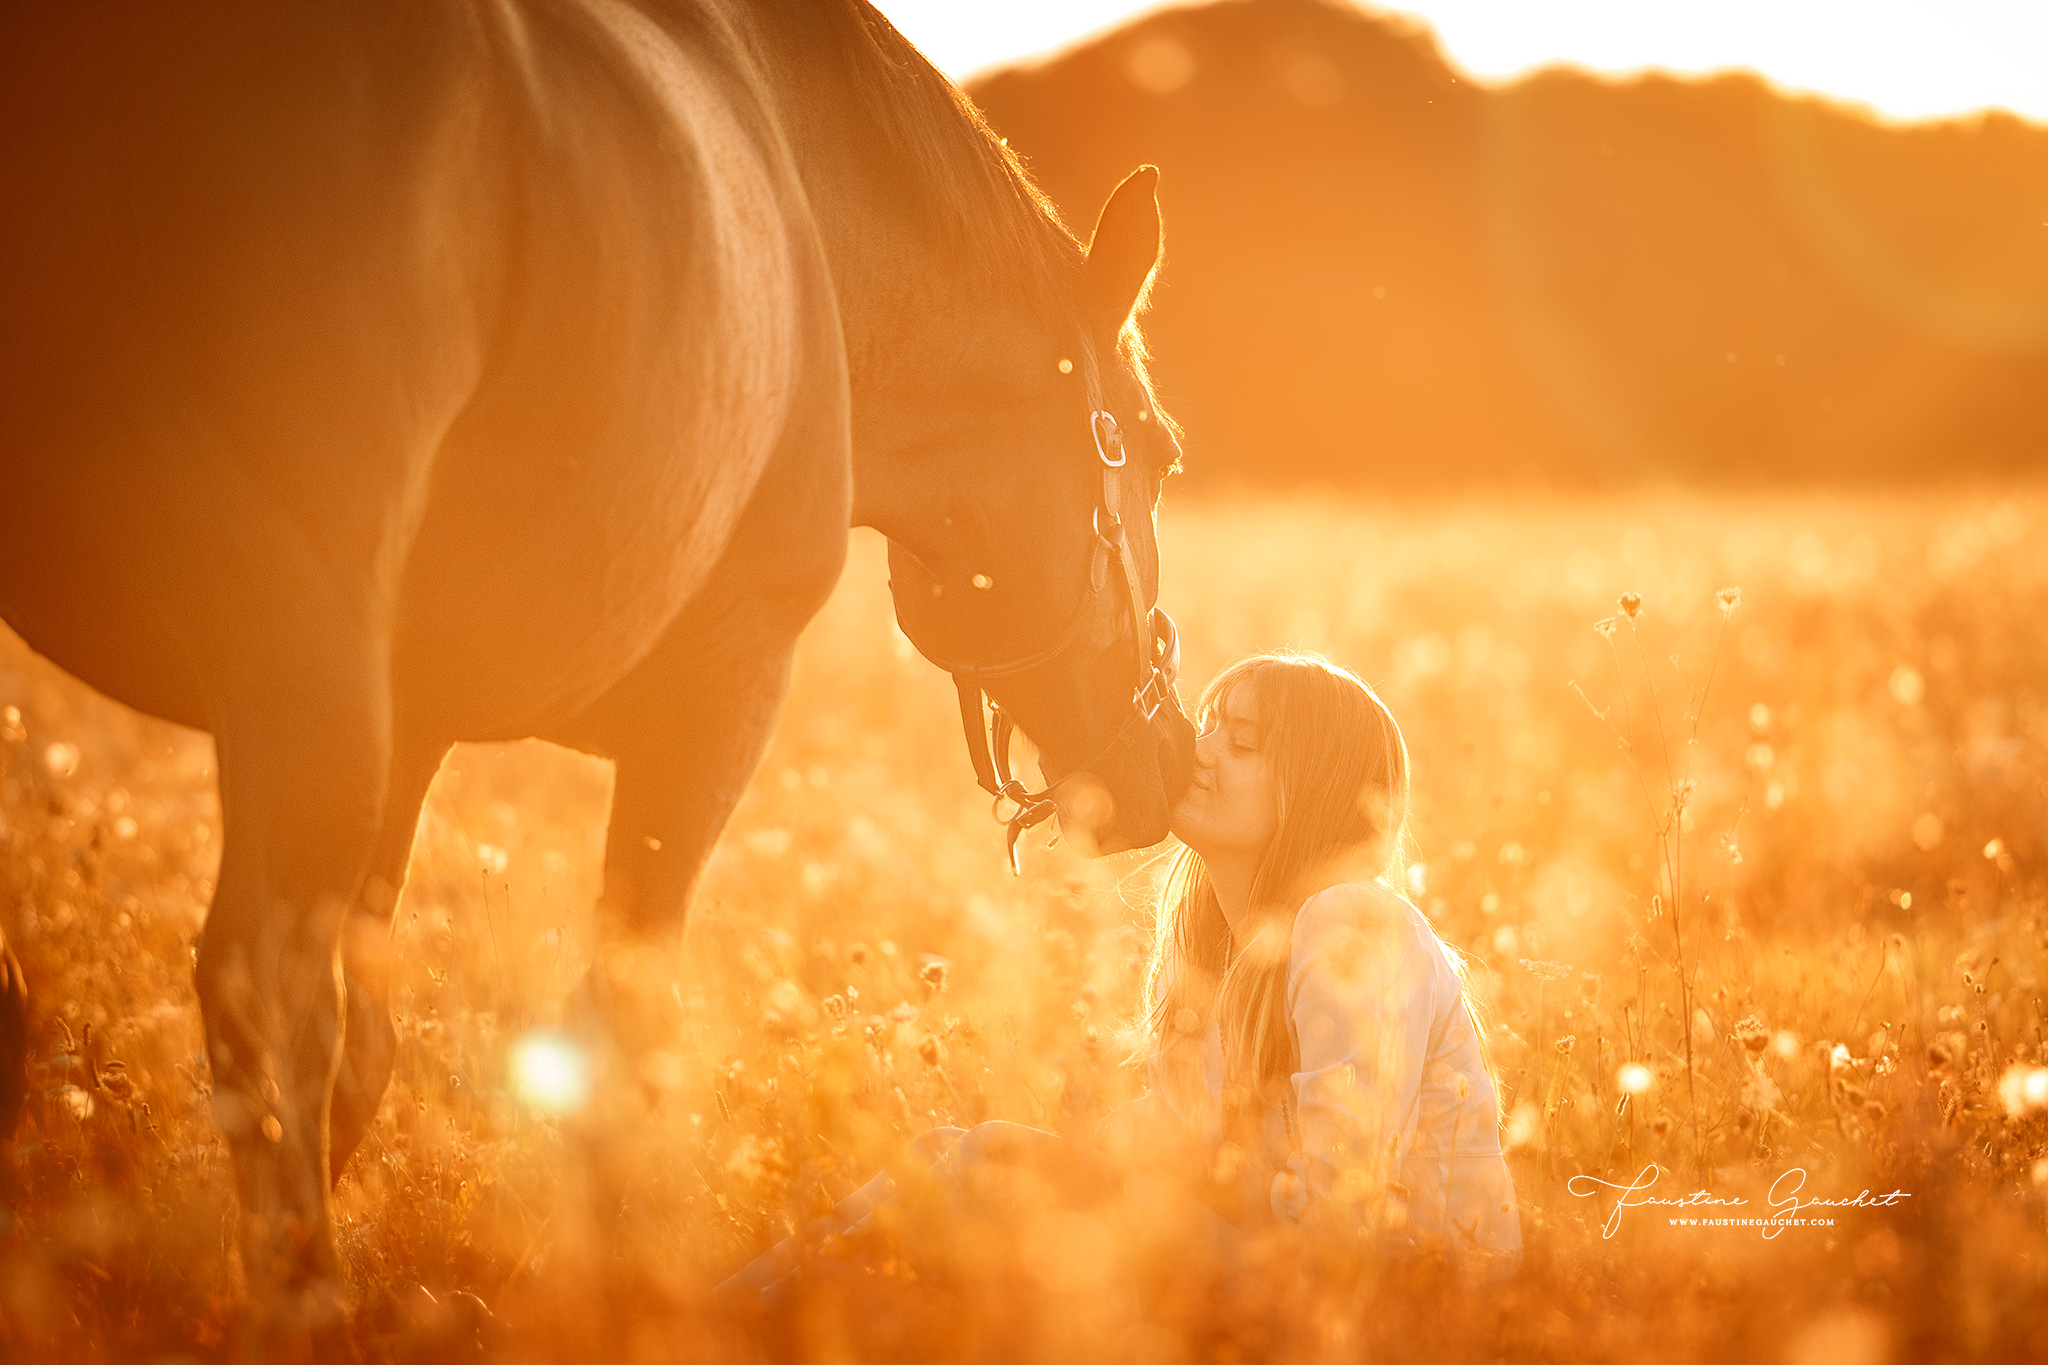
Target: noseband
x,y
1156,662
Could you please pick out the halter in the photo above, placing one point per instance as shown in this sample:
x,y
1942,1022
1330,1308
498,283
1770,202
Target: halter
x,y
1155,639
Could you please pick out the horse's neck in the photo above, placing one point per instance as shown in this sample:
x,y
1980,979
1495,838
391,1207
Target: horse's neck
x,y
913,305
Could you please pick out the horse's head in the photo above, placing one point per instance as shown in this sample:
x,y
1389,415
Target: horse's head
x,y
1030,568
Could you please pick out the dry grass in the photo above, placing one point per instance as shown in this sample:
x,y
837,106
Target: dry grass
x,y
1861,904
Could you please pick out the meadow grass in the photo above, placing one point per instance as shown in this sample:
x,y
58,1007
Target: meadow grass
x,y
1852,876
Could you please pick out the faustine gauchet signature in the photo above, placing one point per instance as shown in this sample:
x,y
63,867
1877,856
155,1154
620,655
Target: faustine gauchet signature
x,y
1783,1199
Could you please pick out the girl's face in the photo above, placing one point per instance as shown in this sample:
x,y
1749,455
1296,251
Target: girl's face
x,y
1231,808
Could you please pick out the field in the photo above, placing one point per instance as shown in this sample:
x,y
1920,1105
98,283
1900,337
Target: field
x,y
1858,902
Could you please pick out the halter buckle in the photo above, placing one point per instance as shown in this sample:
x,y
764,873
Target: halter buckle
x,y
1097,420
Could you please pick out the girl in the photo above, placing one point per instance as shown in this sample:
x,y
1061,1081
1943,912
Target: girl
x,y
1305,1030
1299,1008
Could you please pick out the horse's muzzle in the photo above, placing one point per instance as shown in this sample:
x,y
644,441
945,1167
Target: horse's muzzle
x,y
1120,801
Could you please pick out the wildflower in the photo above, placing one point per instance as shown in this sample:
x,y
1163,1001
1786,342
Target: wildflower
x,y
1606,626
928,1048
1752,1034
933,973
1565,1044
1730,599
1631,605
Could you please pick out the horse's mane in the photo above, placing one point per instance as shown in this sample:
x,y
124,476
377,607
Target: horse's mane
x,y
982,193
979,186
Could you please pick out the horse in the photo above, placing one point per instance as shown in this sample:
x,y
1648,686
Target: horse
x,y
377,376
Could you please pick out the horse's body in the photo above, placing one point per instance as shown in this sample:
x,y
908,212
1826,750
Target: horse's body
x,y
374,377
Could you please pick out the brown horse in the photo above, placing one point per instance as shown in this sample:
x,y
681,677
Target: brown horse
x,y
379,375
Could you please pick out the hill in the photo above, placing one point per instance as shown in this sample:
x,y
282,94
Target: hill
x,y
1381,272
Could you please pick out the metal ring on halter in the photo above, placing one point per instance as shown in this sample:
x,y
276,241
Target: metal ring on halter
x,y
1095,421
1018,795
1115,535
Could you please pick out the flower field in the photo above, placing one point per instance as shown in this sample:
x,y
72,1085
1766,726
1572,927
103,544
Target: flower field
x,y
1825,795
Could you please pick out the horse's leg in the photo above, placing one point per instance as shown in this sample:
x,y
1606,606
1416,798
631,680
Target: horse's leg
x,y
685,732
369,1044
687,727
304,761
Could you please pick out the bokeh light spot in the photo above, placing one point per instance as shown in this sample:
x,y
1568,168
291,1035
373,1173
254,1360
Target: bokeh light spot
x,y
550,1072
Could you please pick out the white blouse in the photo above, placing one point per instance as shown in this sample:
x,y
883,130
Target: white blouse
x,y
1392,1088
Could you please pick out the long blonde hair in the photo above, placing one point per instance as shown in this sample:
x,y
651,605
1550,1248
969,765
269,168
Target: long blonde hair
x,y
1340,768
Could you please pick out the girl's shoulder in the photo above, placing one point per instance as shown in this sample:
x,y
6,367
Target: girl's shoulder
x,y
1370,907
1360,927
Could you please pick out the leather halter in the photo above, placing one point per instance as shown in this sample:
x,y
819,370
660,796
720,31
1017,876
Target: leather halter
x,y
1155,640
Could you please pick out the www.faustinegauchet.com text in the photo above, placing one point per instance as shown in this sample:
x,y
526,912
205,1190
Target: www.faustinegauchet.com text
x,y
1752,1222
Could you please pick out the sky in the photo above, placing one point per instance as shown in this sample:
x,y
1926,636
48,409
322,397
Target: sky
x,y
1904,59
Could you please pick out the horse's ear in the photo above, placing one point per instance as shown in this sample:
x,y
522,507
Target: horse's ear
x,y
1123,251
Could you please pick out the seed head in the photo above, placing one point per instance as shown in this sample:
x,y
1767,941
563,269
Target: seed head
x,y
1606,626
1631,605
1660,1125
928,1048
1730,599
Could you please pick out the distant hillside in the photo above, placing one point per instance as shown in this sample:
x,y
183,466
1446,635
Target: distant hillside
x,y
1378,272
